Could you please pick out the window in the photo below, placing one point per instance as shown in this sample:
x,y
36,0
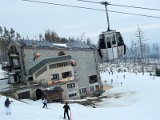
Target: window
x,y
119,39
30,78
80,91
14,50
97,87
41,71
52,66
93,79
113,40
61,53
73,95
72,85
102,42
66,64
92,88
55,77
67,74
15,62
109,44
84,90
59,65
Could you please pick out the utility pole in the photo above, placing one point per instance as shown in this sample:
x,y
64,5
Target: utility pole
x,y
106,4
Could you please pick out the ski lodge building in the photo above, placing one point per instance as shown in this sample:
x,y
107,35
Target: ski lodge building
x,y
43,69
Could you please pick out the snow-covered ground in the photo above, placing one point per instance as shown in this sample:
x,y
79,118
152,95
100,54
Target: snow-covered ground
x,y
137,98
2,73
3,82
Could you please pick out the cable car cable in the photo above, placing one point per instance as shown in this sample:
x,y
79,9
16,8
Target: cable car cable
x,y
64,5
88,1
88,8
134,14
153,9
131,6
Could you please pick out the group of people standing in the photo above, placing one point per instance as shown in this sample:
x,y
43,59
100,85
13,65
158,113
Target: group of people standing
x,y
66,107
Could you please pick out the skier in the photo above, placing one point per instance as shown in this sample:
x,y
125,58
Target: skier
x,y
44,103
7,104
66,108
121,82
111,81
124,76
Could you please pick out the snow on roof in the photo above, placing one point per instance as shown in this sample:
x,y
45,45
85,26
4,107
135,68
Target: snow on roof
x,y
60,44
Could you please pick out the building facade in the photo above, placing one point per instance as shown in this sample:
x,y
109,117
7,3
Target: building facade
x,y
42,65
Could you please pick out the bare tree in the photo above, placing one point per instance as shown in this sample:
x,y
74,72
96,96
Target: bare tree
x,y
18,36
147,52
41,37
88,41
140,37
156,50
1,31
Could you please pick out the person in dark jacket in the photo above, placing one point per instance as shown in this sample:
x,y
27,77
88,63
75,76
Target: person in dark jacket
x,y
7,104
66,108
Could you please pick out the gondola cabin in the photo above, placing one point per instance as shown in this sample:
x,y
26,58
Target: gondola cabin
x,y
111,45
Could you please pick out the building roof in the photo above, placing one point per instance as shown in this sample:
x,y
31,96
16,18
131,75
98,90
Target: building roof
x,y
78,44
39,65
45,43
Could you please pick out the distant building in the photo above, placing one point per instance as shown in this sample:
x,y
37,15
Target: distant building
x,y
37,68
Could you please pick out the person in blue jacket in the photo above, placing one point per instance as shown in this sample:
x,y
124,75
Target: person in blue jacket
x,y
7,105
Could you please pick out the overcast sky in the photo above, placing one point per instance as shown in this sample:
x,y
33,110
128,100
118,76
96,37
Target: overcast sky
x,y
30,19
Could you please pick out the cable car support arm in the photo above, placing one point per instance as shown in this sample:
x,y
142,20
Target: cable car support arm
x,y
106,4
